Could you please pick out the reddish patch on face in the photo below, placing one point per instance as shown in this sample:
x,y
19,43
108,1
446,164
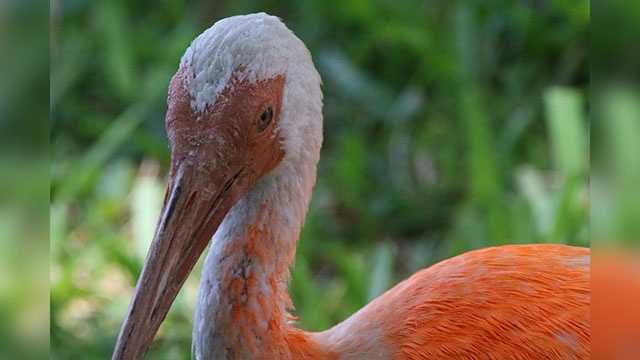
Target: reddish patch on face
x,y
238,131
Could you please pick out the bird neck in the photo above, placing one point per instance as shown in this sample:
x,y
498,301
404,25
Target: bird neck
x,y
244,301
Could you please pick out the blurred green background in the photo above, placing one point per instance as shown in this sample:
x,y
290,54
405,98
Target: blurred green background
x,y
449,126
24,185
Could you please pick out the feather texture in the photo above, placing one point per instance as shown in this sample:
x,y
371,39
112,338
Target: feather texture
x,y
508,302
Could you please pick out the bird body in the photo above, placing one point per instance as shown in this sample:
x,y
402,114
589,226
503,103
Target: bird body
x,y
507,302
244,121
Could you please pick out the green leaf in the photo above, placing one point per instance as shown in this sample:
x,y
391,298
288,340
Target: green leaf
x,y
565,121
381,270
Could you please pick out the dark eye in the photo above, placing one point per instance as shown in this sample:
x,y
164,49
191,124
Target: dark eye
x,y
265,119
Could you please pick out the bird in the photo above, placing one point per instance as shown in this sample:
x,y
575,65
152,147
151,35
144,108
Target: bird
x,y
245,128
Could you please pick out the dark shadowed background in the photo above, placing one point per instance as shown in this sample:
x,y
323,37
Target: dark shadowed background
x,y
449,126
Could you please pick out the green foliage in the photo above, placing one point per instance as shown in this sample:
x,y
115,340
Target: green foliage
x,y
449,126
615,218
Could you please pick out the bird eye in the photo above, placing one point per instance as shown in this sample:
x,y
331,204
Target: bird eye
x,y
265,119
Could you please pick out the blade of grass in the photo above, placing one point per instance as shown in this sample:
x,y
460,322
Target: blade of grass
x,y
381,270
118,51
565,120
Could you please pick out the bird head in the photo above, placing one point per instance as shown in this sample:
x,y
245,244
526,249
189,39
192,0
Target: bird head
x,y
244,107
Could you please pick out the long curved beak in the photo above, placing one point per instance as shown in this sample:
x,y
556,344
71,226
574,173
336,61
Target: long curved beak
x,y
193,210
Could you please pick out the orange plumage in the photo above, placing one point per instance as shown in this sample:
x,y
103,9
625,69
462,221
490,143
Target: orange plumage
x,y
508,302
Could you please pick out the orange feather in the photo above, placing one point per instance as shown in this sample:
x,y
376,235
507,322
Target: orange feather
x,y
508,302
